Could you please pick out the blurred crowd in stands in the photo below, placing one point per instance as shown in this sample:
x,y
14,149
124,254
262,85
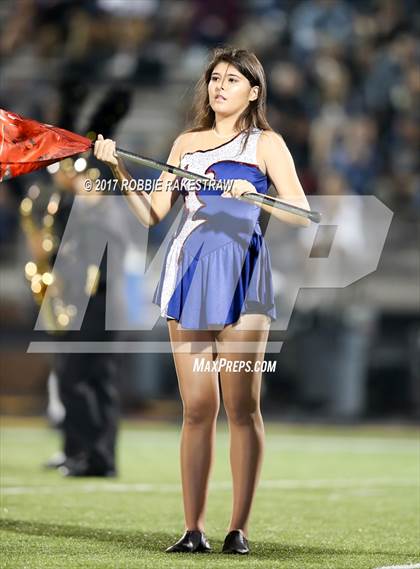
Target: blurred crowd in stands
x,y
343,84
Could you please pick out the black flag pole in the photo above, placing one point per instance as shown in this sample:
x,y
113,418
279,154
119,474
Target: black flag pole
x,y
252,197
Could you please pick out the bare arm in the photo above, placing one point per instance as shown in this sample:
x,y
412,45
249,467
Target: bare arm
x,y
276,160
281,170
149,208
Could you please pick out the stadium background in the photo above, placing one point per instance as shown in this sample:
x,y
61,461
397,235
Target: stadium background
x,y
343,86
340,481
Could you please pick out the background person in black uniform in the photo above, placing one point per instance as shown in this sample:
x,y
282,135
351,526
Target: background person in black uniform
x,y
87,382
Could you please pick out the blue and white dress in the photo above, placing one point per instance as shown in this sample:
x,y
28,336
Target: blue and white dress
x,y
217,265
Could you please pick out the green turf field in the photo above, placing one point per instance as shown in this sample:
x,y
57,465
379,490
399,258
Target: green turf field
x,y
329,498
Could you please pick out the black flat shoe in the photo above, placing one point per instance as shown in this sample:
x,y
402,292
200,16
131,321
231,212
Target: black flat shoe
x,y
191,542
236,542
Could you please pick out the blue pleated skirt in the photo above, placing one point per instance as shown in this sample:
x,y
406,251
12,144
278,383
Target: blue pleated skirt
x,y
215,289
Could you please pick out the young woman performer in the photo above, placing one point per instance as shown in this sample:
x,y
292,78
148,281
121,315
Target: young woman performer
x,y
216,286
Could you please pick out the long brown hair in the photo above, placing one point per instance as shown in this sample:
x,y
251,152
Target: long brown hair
x,y
254,116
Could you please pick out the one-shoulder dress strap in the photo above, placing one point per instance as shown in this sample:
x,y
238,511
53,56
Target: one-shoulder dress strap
x,y
249,153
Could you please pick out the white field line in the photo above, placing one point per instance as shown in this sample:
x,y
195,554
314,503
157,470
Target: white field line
x,y
275,441
309,447
152,436
341,448
416,566
306,442
118,487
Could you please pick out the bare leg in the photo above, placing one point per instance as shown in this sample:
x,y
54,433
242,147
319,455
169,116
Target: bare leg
x,y
241,398
200,397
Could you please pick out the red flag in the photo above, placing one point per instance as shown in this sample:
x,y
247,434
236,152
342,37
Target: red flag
x,y
27,145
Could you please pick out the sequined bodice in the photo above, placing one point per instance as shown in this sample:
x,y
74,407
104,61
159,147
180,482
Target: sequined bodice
x,y
210,220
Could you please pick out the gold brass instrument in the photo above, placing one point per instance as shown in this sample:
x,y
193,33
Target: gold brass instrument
x,y
43,243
